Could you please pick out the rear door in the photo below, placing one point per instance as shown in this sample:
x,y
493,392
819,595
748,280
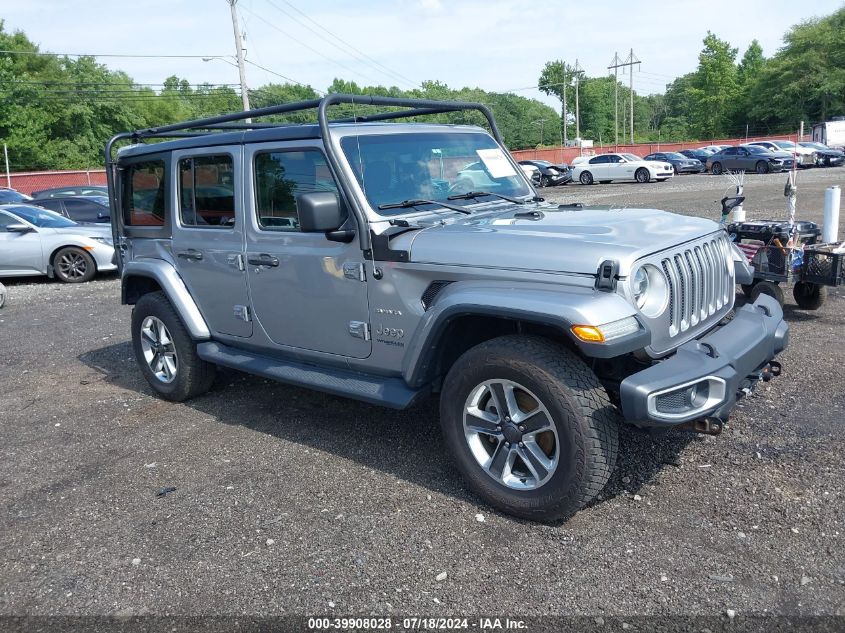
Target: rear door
x,y
208,235
598,167
308,292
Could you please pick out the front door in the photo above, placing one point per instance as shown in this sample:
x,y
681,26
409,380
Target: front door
x,y
20,253
208,236
308,293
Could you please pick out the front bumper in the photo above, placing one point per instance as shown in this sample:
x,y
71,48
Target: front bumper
x,y
706,376
690,169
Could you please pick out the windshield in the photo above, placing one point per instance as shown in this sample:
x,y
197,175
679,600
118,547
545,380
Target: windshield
x,y
632,157
10,195
814,145
785,144
392,168
41,218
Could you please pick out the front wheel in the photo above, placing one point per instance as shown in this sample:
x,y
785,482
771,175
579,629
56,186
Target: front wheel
x,y
165,351
642,175
544,181
809,296
586,178
530,427
73,265
762,167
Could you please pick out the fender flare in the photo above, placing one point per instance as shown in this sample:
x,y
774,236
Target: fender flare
x,y
557,306
171,283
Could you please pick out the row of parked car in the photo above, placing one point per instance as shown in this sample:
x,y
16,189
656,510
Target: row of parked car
x,y
62,232
761,157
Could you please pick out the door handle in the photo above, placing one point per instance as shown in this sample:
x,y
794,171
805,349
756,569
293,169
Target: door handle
x,y
263,260
190,254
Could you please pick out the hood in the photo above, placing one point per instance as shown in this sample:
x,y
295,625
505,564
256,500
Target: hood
x,y
558,240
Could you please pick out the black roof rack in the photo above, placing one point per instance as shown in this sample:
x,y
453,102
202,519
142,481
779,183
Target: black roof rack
x,y
243,121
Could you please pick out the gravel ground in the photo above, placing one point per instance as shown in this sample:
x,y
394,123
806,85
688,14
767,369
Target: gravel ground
x,y
292,502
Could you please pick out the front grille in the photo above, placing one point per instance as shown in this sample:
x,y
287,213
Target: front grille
x,y
700,282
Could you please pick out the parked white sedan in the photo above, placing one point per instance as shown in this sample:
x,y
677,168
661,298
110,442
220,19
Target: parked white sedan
x,y
608,167
35,241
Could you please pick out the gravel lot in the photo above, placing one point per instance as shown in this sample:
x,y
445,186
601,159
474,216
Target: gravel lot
x,y
292,502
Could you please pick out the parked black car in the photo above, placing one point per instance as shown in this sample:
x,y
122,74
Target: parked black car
x,y
87,209
77,190
11,195
550,174
680,163
826,156
698,154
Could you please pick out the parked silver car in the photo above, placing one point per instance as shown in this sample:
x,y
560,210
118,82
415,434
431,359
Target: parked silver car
x,y
35,241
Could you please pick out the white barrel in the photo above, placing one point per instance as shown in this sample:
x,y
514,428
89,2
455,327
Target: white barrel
x,y
830,230
738,214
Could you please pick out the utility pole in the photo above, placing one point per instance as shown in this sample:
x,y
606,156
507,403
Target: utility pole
x,y
563,66
617,63
577,72
239,45
8,177
614,65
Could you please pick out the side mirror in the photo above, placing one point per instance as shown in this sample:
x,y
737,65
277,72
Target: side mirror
x,y
319,212
19,228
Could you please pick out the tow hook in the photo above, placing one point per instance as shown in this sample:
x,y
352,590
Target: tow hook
x,y
706,426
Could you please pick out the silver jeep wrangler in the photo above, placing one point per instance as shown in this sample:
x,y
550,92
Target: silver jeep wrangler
x,y
386,261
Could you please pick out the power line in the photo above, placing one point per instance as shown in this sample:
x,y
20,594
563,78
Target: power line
x,y
360,55
311,48
107,55
285,77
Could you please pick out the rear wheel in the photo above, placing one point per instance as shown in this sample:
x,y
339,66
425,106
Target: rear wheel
x,y
642,175
762,167
716,168
73,265
767,288
809,296
166,352
586,178
530,427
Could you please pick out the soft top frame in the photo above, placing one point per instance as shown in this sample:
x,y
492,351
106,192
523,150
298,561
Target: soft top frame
x,y
243,121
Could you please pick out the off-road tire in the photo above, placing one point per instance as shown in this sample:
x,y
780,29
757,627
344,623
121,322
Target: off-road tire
x,y
584,418
642,175
716,169
85,260
586,178
193,375
762,167
767,288
809,296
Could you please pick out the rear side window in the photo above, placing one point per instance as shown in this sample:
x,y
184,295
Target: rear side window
x,y
280,177
143,194
207,192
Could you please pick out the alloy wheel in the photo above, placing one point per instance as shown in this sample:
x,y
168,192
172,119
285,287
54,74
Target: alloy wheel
x,y
511,435
72,265
158,349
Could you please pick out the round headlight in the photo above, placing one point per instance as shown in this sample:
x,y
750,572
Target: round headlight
x,y
639,287
650,290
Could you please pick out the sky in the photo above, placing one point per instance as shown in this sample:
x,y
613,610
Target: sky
x,y
497,45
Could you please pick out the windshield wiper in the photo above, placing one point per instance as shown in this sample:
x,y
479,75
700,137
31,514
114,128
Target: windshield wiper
x,y
480,194
407,204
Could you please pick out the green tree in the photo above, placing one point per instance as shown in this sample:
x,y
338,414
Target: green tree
x,y
712,90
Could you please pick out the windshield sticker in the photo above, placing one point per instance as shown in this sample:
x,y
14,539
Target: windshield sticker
x,y
496,163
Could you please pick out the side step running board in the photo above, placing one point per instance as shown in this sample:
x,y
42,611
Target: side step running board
x,y
386,391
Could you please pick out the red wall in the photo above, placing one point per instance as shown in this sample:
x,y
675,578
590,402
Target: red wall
x,y
27,182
